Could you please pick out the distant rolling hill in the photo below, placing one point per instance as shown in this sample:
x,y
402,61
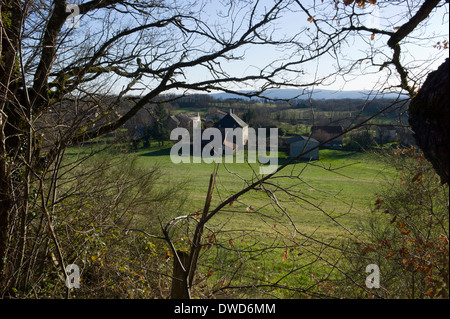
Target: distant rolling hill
x,y
316,94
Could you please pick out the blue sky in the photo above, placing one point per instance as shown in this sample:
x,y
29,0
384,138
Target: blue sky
x,y
416,53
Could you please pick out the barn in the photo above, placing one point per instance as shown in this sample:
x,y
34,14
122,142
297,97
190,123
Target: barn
x,y
326,133
187,121
386,133
232,121
300,144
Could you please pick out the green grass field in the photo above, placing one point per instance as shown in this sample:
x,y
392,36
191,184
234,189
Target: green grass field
x,y
327,201
324,202
340,182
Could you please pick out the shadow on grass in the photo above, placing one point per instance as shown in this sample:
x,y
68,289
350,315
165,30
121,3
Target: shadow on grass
x,y
325,155
337,155
157,152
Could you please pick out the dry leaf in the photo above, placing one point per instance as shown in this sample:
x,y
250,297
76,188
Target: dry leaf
x,y
417,178
405,231
378,203
285,254
401,225
198,213
388,256
212,238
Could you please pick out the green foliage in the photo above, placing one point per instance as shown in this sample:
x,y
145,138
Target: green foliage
x,y
406,236
361,141
158,130
105,208
249,245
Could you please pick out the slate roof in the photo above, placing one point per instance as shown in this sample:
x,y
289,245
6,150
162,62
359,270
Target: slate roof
x,y
174,118
181,119
230,120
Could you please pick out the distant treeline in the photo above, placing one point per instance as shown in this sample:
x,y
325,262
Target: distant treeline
x,y
204,101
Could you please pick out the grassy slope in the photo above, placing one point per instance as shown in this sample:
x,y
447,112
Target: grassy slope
x,y
351,177
342,184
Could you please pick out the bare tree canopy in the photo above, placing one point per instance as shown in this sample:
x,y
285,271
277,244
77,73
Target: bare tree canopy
x,y
71,74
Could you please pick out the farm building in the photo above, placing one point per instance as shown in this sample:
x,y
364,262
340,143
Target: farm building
x,y
386,133
233,121
300,144
327,132
186,121
405,136
215,116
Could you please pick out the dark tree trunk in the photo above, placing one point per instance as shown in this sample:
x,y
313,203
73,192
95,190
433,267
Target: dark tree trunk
x,y
429,119
180,278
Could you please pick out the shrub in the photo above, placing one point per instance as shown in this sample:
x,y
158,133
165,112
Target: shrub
x,y
103,210
406,236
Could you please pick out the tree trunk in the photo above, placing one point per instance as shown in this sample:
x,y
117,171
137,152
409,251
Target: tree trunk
x,y
5,208
9,87
429,119
180,277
